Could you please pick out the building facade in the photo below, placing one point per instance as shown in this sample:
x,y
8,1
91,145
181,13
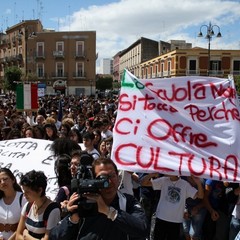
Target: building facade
x,y
116,66
149,59
106,66
185,62
140,51
64,62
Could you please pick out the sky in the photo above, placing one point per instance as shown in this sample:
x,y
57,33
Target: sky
x,y
119,23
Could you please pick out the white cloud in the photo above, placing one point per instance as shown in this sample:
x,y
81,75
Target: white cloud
x,y
120,24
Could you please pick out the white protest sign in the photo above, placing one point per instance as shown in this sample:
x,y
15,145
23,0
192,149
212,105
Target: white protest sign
x,y
178,126
25,154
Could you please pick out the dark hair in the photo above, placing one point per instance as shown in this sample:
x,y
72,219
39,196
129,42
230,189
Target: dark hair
x,y
88,135
40,129
104,161
31,129
54,129
35,180
67,126
64,146
14,133
62,170
75,130
76,153
16,186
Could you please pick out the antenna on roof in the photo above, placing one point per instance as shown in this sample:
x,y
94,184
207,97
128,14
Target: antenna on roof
x,y
68,17
14,13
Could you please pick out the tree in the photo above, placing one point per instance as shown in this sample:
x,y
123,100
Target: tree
x,y
237,84
12,77
104,83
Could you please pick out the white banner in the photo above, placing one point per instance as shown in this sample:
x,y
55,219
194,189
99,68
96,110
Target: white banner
x,y
178,126
25,154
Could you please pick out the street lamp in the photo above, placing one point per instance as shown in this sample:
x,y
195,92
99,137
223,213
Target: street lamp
x,y
209,35
27,36
91,84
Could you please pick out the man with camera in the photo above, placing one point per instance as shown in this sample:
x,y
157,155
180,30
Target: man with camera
x,y
119,216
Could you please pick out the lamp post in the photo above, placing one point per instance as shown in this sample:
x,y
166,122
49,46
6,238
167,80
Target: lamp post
x,y
91,83
209,34
26,36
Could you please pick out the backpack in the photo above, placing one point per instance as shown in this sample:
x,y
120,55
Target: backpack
x,y
86,158
47,211
20,199
66,190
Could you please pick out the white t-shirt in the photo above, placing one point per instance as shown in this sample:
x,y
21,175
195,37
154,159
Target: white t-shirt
x,y
95,154
106,134
126,184
10,214
171,204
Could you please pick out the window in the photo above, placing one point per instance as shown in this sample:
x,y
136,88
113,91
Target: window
x,y
60,69
59,46
169,67
79,48
236,65
192,65
40,70
162,67
40,49
79,69
215,65
59,49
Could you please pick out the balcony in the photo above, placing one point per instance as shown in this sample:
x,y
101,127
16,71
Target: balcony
x,y
160,75
41,75
79,75
192,72
3,42
3,60
14,41
216,73
235,73
166,74
80,55
58,54
40,55
59,75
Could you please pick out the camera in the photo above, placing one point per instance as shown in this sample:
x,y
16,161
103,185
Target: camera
x,y
84,182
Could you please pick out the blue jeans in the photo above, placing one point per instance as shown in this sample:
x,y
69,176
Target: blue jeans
x,y
234,228
193,226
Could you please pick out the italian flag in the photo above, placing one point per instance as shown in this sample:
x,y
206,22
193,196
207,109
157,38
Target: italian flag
x,y
27,96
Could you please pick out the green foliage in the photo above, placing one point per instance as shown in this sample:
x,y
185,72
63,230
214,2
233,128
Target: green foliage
x,y
237,84
116,85
104,83
12,76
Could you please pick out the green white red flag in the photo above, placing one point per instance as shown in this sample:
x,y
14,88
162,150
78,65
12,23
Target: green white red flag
x,y
27,96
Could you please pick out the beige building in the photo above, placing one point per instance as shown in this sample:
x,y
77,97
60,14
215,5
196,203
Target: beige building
x,y
140,51
61,61
150,59
194,61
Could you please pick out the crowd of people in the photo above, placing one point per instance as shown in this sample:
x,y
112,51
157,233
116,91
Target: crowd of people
x,y
132,206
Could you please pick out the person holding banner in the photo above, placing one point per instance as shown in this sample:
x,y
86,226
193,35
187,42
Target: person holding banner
x,y
119,217
171,205
11,202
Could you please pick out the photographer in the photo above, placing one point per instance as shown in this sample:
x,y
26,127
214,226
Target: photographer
x,y
119,215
